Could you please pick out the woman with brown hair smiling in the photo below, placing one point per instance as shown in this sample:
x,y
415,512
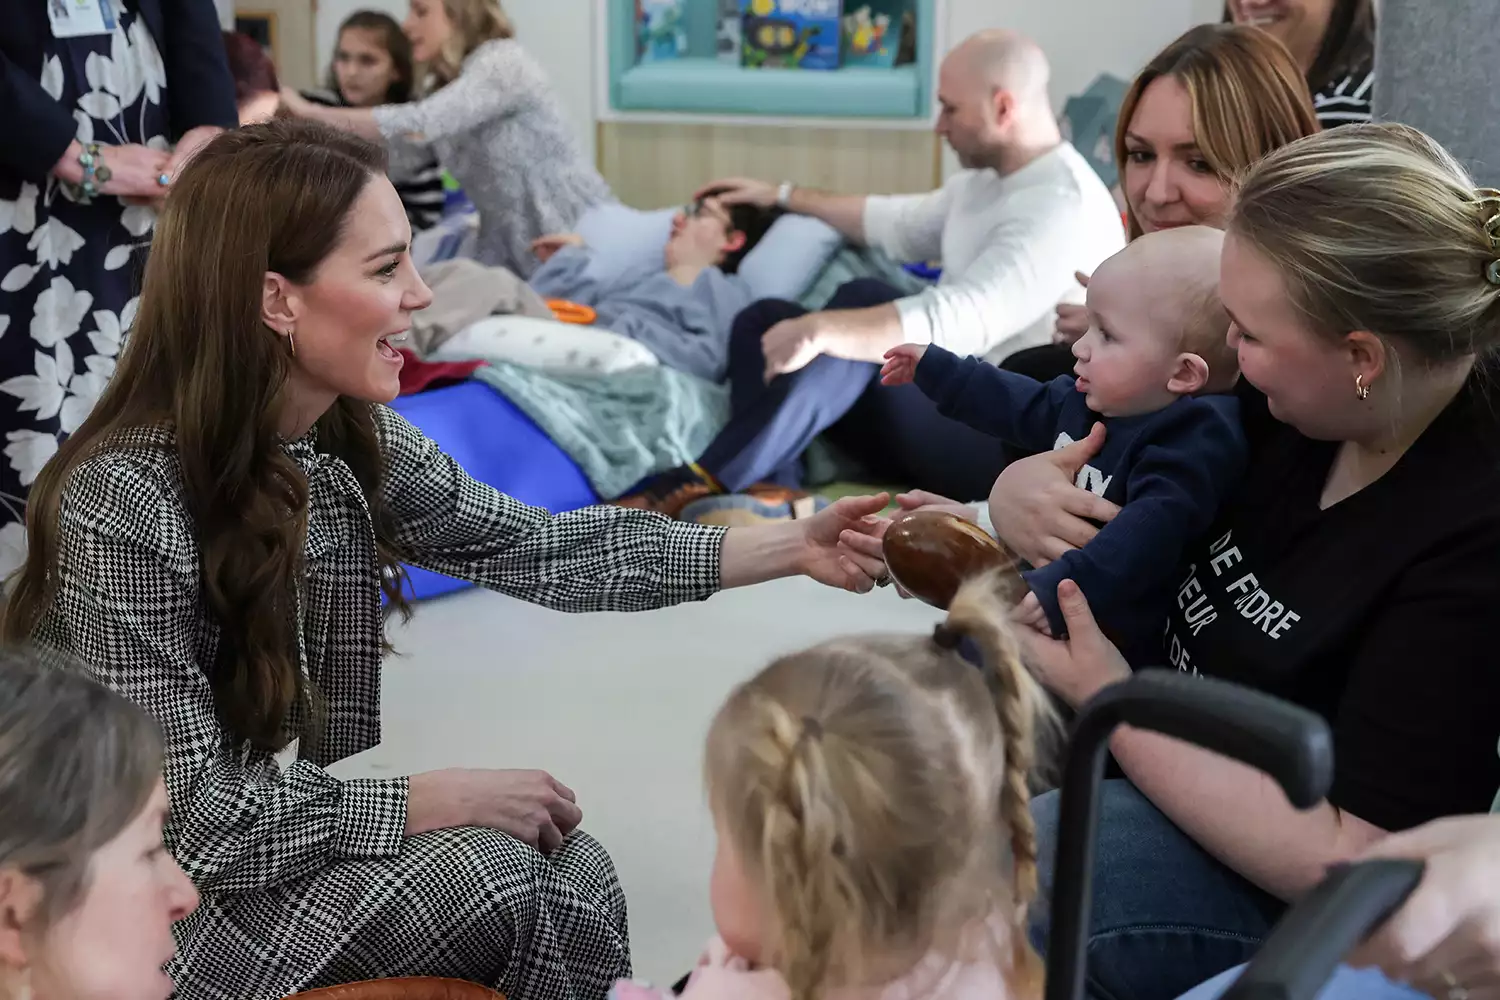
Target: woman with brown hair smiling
x,y
213,541
1207,107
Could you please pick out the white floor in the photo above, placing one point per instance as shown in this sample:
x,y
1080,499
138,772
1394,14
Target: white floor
x,y
615,706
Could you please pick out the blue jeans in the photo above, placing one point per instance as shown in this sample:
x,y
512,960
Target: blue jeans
x,y
1166,915
1346,984
894,432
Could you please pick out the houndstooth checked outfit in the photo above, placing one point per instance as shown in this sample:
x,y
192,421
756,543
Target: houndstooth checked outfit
x,y
307,880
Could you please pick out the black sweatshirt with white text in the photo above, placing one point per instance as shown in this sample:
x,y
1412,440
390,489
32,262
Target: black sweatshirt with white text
x,y
1378,613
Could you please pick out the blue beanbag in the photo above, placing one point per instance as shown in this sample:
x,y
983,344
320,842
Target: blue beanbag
x,y
498,445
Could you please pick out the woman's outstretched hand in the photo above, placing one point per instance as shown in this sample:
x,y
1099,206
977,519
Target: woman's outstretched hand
x,y
531,806
830,562
864,540
1077,667
1445,940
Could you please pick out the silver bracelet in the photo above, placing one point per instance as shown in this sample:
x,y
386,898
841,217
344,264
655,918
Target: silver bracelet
x,y
784,194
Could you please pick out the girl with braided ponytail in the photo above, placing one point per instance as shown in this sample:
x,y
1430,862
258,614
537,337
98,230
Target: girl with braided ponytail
x,y
857,788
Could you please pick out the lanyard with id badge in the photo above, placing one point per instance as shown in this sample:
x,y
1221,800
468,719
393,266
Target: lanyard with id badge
x,y
81,18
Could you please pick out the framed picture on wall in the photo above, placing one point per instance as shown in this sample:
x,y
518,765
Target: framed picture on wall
x,y
285,28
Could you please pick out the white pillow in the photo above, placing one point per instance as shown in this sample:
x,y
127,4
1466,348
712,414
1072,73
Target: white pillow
x,y
623,239
548,345
789,258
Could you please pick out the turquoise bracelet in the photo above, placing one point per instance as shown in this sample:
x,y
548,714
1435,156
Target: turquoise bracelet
x,y
95,173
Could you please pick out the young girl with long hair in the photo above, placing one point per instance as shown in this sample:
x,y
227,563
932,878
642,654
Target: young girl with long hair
x,y
871,801
372,65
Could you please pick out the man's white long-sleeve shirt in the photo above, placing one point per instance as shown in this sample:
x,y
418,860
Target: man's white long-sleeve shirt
x,y
1009,247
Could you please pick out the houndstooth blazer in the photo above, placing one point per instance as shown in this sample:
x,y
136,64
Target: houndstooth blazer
x,y
128,603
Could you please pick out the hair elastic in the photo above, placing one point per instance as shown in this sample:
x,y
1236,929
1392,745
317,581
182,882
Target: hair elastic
x,y
945,637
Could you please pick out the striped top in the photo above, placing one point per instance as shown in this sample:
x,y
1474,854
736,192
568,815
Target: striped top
x,y
1346,98
418,181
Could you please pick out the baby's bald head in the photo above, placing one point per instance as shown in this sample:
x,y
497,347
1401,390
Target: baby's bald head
x,y
1175,272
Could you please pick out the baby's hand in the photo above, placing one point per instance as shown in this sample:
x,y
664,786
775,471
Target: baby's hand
x,y
1031,614
901,364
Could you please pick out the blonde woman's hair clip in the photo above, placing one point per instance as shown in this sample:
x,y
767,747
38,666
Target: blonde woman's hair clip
x,y
1489,198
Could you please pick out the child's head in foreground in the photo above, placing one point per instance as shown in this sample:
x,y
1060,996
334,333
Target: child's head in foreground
x,y
871,802
1157,328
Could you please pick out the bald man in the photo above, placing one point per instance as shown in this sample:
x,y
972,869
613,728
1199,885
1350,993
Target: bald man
x,y
1010,230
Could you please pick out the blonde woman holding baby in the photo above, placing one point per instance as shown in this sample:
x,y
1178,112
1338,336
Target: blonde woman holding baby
x,y
491,117
1352,573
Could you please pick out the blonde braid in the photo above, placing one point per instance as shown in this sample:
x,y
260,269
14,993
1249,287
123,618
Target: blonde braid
x,y
1023,709
802,858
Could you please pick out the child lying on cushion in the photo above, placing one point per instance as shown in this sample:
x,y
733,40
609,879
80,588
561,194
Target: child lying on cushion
x,y
681,306
875,838
1156,365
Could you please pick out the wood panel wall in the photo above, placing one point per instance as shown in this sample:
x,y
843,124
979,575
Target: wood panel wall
x,y
654,165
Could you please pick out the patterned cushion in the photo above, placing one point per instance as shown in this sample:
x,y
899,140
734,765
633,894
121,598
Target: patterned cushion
x,y
548,345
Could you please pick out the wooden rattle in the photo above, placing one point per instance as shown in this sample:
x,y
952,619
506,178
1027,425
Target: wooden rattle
x,y
930,553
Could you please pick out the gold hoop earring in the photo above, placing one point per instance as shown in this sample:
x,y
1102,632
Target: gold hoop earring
x,y
1361,390
291,340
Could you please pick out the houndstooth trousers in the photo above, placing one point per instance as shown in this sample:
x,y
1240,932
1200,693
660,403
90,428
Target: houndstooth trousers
x,y
465,903
308,880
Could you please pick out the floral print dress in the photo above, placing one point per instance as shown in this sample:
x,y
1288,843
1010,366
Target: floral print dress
x,y
69,273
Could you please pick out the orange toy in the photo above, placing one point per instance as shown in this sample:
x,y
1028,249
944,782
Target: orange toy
x,y
571,312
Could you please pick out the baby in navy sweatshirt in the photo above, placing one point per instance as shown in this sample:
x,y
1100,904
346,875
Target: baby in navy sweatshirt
x,y
1156,367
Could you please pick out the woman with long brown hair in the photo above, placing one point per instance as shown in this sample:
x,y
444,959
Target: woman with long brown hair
x,y
214,541
372,65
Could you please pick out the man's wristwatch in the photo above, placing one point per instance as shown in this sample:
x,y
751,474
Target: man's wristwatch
x,y
784,194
